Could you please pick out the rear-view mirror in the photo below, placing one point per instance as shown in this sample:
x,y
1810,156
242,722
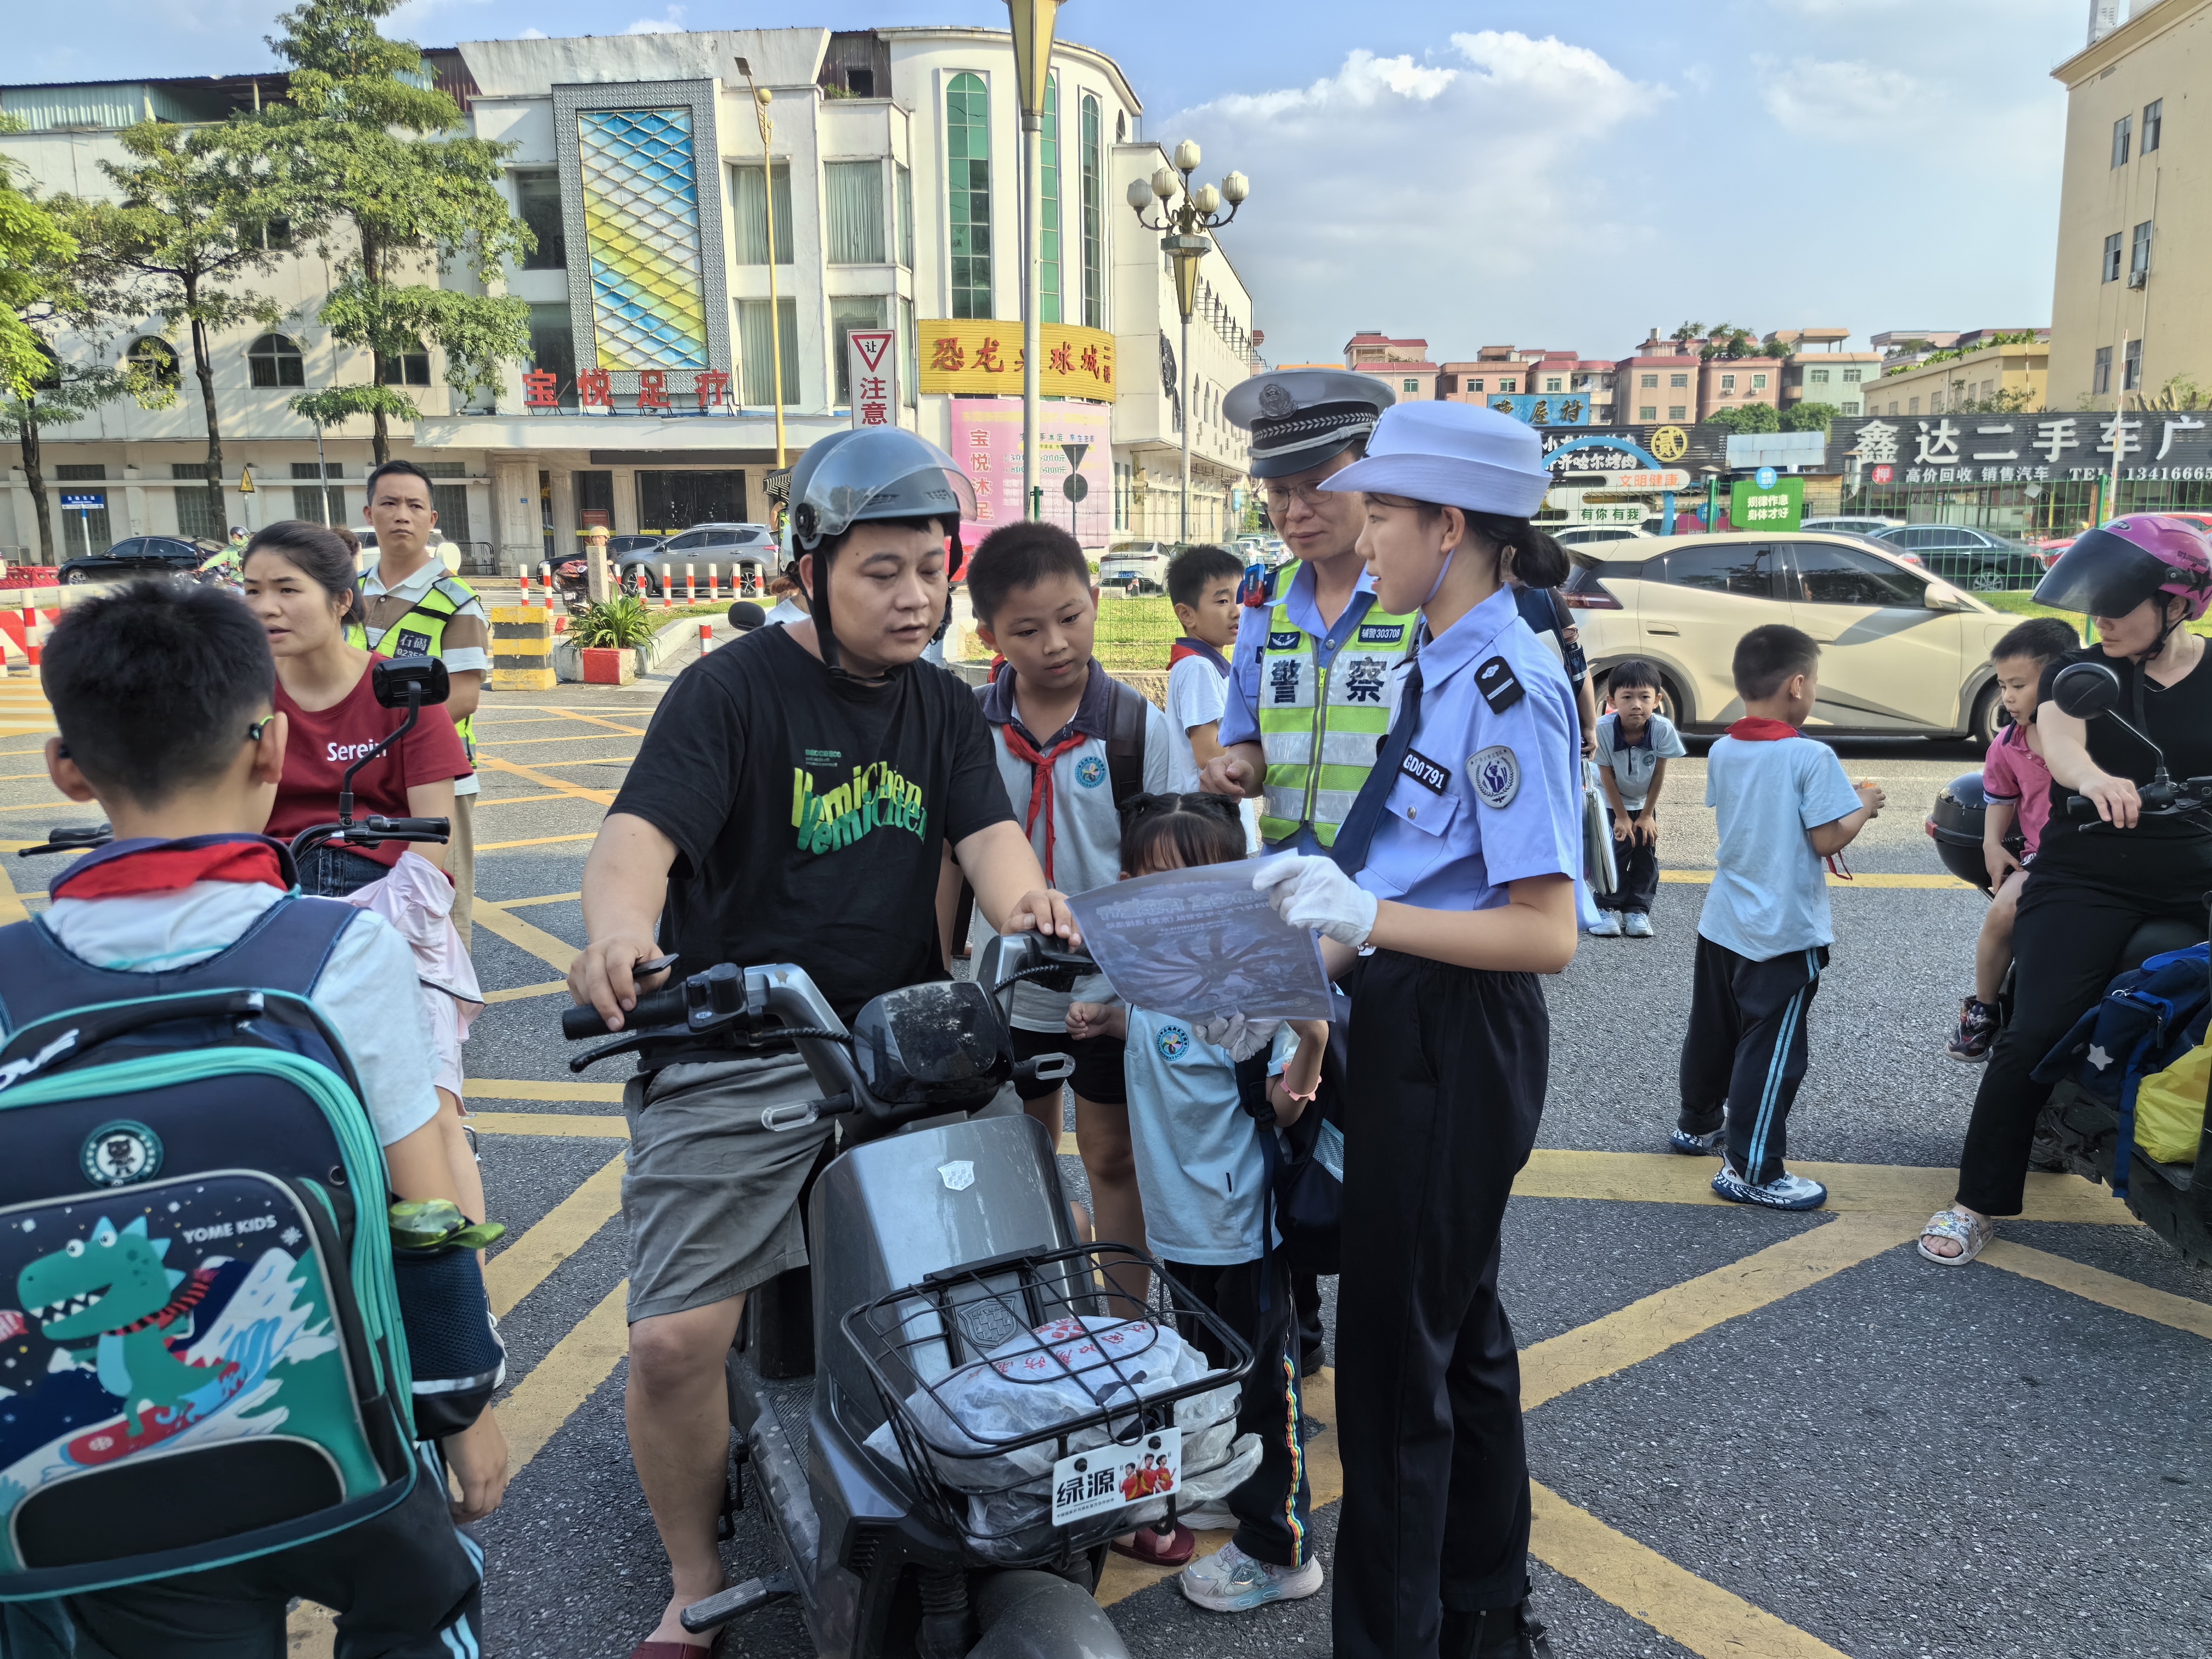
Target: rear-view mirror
x,y
2085,690
390,681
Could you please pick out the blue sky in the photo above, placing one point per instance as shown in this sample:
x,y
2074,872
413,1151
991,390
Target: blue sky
x,y
1518,172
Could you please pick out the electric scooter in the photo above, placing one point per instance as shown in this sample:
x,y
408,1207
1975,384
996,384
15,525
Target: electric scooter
x,y
942,1250
2079,1131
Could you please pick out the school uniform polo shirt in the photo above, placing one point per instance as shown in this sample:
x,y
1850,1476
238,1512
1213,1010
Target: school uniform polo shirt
x,y
1633,763
1085,847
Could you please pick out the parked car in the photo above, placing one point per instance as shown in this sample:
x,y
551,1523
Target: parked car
x,y
748,547
1853,523
1904,653
1145,563
1972,558
1583,535
140,556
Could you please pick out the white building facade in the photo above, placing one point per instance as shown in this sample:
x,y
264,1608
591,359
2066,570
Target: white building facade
x,y
894,183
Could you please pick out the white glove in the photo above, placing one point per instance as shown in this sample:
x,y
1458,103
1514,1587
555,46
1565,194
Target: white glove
x,y
1313,892
1243,1038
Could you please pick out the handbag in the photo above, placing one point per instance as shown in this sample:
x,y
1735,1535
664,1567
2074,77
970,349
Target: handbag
x,y
1598,866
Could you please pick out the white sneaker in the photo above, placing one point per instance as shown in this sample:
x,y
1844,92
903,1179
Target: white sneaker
x,y
1636,925
1208,1517
1607,925
1229,1580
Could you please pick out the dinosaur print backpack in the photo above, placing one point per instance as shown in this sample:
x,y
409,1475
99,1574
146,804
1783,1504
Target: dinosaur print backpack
x,y
202,1354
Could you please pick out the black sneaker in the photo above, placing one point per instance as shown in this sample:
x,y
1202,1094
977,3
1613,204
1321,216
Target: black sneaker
x,y
1500,1633
1978,1029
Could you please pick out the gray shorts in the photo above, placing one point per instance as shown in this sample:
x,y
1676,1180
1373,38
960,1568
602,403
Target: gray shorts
x,y
710,1198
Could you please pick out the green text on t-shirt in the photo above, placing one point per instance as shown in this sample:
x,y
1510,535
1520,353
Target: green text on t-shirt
x,y
876,797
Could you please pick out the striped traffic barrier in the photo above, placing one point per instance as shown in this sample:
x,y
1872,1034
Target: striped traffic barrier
x,y
521,647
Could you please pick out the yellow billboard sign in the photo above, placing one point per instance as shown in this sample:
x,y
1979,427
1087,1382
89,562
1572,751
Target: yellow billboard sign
x,y
980,357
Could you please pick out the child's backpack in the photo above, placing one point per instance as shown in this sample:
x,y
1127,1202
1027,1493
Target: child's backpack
x,y
1306,1196
201,1342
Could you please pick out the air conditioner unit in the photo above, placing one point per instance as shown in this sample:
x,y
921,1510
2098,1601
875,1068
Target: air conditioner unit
x,y
2137,278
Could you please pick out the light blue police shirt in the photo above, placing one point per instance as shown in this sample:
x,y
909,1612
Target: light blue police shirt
x,y
1484,797
1240,716
1200,1168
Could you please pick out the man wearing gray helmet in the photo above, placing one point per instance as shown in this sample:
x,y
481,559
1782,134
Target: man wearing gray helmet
x,y
790,802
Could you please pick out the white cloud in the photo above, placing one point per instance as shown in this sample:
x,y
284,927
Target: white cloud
x,y
1852,99
1397,182
533,32
671,24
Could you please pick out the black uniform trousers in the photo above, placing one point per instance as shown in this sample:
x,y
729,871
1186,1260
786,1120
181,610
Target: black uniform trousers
x,y
2067,942
1636,864
405,1584
1273,1503
1446,1086
1744,1054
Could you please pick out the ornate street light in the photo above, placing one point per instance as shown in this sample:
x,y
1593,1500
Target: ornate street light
x,y
1033,22
774,305
1198,211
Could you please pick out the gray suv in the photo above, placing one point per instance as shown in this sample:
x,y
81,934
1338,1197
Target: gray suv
x,y
748,551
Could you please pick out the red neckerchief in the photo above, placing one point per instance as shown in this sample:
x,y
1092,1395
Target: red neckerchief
x,y
1042,793
1188,646
169,867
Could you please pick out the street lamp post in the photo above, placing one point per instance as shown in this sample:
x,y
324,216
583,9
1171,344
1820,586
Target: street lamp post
x,y
774,305
1199,210
1033,22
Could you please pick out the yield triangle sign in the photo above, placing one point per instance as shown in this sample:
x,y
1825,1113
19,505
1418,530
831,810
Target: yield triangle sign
x,y
872,348
1075,453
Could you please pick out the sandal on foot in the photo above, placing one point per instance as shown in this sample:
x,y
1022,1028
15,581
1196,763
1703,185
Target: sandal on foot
x,y
1969,1232
1156,1549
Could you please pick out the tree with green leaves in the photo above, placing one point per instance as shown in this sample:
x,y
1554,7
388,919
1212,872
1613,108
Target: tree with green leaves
x,y
32,246
1747,417
1808,417
403,198
198,218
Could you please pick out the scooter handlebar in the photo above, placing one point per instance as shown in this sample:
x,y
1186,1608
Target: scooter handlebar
x,y
663,1007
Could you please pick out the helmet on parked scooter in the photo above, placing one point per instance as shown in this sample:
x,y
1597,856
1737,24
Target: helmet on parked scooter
x,y
870,474
2111,570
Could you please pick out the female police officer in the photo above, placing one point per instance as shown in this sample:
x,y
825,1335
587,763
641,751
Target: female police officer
x,y
1463,844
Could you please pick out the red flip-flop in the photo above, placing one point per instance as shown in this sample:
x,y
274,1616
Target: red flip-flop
x,y
1149,1547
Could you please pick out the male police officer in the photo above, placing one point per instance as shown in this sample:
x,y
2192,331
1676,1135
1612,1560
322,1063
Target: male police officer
x,y
416,608
1307,684
1310,682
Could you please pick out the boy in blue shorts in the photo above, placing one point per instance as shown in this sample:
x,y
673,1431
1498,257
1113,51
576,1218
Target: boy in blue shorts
x,y
163,696
1785,807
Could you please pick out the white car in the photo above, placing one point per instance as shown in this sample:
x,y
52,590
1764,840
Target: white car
x,y
1902,653
1145,563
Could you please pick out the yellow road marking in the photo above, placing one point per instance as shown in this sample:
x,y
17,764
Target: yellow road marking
x,y
548,1396
612,760
11,906
1872,1188
506,743
1668,1318
1704,879
563,1125
1671,1599
523,1088
542,899
593,720
531,774
482,801
565,1229
2095,1284
523,993
548,948
536,841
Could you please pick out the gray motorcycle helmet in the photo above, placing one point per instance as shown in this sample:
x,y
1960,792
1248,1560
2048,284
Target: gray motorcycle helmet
x,y
876,473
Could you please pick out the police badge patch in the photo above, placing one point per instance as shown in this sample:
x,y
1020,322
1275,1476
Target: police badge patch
x,y
408,643
1275,400
1496,775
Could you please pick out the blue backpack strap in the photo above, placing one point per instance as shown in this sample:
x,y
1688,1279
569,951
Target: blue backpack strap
x,y
286,949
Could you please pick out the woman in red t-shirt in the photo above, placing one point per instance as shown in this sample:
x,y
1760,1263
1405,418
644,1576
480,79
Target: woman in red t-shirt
x,y
299,580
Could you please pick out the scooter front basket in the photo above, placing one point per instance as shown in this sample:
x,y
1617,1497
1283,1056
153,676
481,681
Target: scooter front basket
x,y
992,1373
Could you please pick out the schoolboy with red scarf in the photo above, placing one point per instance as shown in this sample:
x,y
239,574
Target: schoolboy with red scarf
x,y
1785,808
163,695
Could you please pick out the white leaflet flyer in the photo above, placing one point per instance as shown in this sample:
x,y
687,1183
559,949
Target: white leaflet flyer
x,y
1192,943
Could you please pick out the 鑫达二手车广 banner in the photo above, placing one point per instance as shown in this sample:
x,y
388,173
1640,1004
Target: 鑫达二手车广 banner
x,y
1195,943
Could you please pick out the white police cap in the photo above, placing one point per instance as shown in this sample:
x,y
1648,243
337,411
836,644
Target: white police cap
x,y
1301,417
1453,455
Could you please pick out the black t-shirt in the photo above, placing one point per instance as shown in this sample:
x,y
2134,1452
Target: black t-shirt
x,y
2159,856
808,813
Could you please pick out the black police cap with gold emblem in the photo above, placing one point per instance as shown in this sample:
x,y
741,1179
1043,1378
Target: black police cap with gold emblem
x,y
1300,417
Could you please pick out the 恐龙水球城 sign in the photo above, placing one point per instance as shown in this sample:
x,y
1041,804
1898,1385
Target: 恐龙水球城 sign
x,y
980,357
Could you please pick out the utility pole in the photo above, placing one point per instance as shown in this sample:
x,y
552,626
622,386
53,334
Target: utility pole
x,y
775,305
